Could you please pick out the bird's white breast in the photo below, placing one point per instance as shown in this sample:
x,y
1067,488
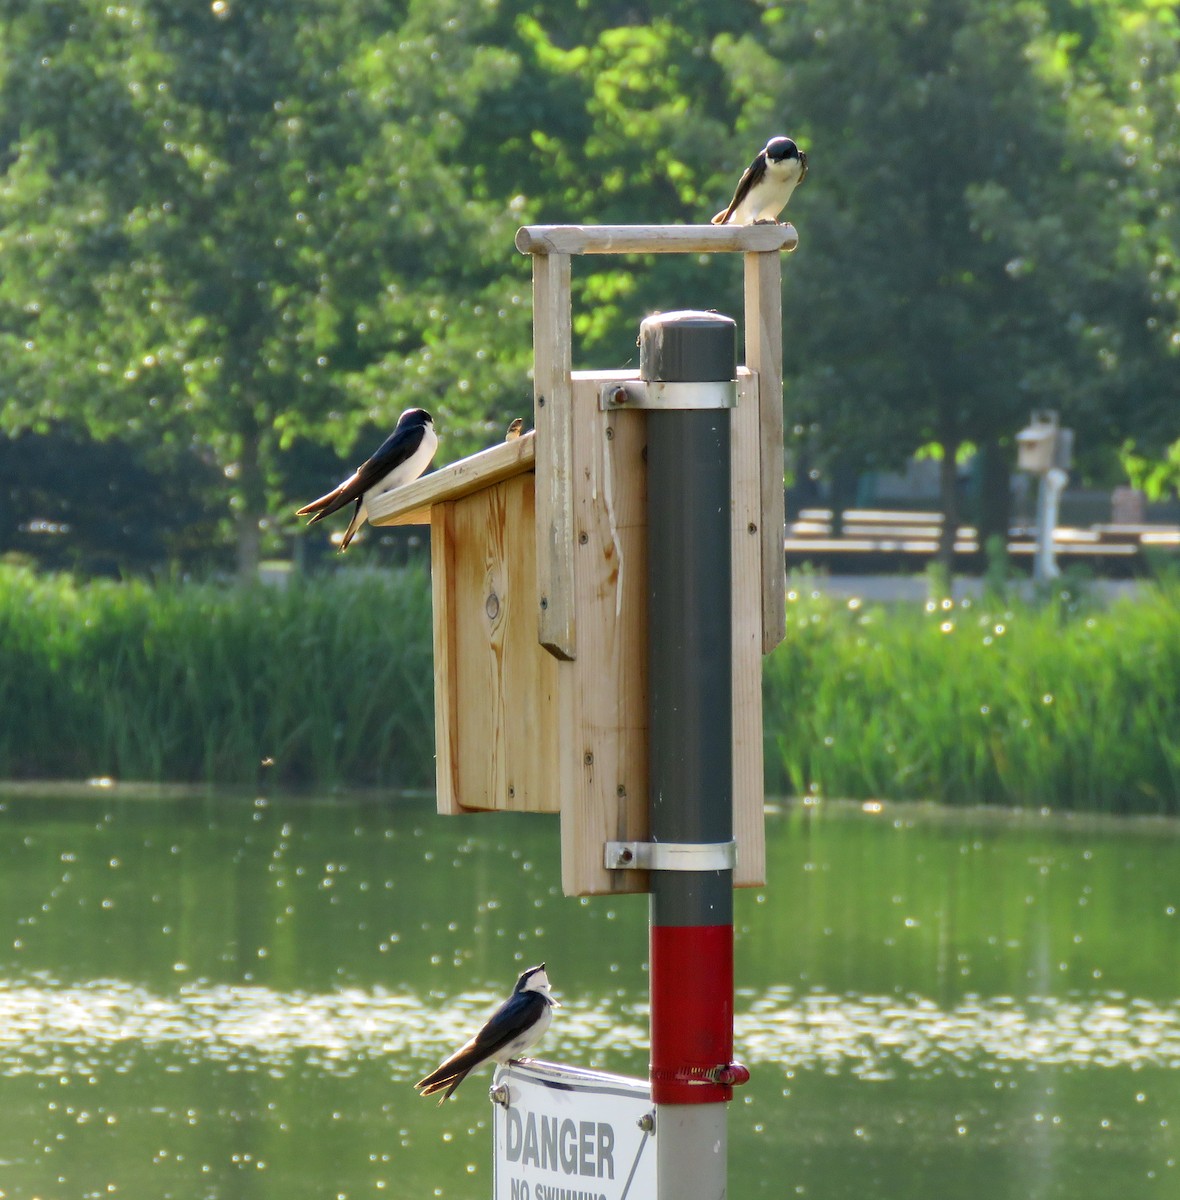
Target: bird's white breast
x,y
530,1037
785,170
410,469
768,197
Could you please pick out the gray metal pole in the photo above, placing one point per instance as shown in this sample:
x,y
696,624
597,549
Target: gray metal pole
x,y
691,744
1049,490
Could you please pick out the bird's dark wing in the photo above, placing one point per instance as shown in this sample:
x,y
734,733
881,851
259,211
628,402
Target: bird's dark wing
x,y
450,1074
750,176
336,499
507,1023
396,448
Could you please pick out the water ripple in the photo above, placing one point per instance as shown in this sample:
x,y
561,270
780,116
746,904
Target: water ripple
x,y
872,1035
48,1027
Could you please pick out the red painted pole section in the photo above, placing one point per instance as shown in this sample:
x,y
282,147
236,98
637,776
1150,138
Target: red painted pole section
x,y
691,1013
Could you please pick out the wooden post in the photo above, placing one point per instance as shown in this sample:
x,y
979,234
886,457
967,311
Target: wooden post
x,y
602,712
764,356
746,616
552,402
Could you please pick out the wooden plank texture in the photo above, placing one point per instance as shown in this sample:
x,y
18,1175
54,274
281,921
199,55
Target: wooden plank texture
x,y
503,716
764,356
654,239
603,716
746,607
446,684
552,397
603,695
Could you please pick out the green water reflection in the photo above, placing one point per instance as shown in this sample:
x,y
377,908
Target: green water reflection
x,y
227,998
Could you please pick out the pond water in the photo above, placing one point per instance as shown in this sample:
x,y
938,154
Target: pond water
x,y
230,998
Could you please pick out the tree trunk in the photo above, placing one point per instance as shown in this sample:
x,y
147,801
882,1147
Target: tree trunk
x,y
249,546
248,527
995,514
844,480
948,490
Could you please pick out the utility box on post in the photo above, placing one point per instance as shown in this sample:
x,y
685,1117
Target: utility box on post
x,y
1043,445
538,563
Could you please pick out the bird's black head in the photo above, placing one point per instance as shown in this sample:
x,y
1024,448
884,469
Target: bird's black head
x,y
415,416
781,147
533,980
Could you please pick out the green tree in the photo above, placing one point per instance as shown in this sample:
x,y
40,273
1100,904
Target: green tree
x,y
235,231
945,285
1120,75
240,224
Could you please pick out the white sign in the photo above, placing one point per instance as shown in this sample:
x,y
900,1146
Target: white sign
x,y
563,1133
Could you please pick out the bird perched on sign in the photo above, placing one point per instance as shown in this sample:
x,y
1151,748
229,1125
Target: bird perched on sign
x,y
766,184
403,456
514,429
513,1028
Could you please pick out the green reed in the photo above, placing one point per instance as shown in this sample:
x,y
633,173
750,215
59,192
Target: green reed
x,y
1058,704
330,682
327,681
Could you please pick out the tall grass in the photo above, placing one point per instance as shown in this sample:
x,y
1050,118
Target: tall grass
x,y
328,681
1059,704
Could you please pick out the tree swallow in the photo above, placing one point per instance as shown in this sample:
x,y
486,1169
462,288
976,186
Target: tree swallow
x,y
766,185
402,457
514,430
515,1026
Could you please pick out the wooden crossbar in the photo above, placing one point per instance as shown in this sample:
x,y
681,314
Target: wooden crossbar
x,y
656,239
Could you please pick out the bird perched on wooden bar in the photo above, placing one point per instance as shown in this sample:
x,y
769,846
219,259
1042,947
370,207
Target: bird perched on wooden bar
x,y
766,185
513,1028
514,429
402,457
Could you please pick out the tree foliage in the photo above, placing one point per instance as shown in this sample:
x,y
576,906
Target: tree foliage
x,y
961,254
231,230
224,224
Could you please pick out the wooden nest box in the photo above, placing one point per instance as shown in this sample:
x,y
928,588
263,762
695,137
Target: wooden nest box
x,y
538,564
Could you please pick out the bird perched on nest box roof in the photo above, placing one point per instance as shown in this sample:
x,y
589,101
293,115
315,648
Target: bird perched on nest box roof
x,y
402,457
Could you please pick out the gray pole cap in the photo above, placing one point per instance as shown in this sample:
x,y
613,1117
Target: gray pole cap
x,y
684,346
